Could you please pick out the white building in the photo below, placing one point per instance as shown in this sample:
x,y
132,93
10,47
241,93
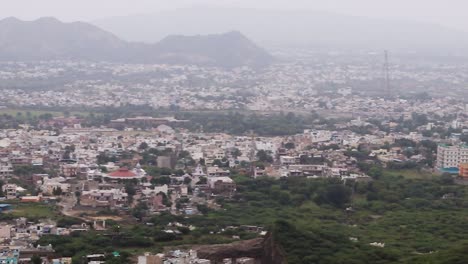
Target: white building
x,y
451,156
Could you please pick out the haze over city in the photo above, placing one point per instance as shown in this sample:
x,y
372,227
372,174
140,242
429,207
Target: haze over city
x,y
447,13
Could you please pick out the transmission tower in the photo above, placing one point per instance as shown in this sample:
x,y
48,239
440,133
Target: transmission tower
x,y
387,74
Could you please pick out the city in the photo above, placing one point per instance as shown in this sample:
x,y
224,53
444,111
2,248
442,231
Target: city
x,y
210,149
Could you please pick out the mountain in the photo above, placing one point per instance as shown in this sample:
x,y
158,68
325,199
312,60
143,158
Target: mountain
x,y
291,28
229,50
50,39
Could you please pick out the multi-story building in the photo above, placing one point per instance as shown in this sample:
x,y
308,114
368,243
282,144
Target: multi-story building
x,y
451,156
463,170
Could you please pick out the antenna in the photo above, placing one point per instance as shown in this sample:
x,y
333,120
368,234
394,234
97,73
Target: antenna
x,y
387,74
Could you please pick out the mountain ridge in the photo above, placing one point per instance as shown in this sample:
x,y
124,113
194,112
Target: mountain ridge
x,y
50,39
293,28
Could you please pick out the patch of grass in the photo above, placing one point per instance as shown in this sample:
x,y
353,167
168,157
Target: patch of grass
x,y
34,211
411,174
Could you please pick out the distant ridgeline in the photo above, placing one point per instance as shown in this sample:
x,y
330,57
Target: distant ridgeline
x,y
50,39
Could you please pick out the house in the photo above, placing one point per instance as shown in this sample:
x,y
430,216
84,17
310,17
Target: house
x,y
222,185
31,199
287,160
113,198
51,184
215,171
150,259
9,191
125,174
5,232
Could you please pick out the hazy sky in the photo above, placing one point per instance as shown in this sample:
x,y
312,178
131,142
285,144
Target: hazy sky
x,y
450,13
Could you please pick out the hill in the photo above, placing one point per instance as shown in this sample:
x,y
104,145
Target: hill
x,y
292,28
50,39
230,49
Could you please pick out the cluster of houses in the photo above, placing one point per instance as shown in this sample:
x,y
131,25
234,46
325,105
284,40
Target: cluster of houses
x,y
18,239
92,170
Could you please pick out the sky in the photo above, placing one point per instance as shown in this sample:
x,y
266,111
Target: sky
x,y
449,13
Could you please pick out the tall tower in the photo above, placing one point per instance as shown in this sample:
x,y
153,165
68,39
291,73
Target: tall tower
x,y
387,74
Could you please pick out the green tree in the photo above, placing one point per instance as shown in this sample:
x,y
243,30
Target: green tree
x,y
57,191
335,194
290,145
375,172
143,146
36,260
264,156
236,153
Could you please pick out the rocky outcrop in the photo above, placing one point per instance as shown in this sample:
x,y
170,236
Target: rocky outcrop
x,y
265,250
273,252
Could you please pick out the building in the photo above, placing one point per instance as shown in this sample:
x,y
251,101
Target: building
x,y
166,161
114,198
9,257
222,185
463,170
150,259
216,171
287,160
449,156
126,174
11,191
5,232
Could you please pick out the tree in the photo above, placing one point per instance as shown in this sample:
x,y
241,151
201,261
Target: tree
x,y
203,180
264,156
143,146
78,196
187,180
236,153
130,190
161,180
336,194
375,172
57,191
284,197
36,259
290,145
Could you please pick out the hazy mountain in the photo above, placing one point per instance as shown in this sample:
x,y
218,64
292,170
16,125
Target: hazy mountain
x,y
49,39
291,28
229,50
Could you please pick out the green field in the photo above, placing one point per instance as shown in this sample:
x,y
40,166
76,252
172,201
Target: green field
x,y
33,210
411,174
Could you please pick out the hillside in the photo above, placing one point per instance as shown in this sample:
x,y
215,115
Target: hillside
x,y
50,39
229,49
292,28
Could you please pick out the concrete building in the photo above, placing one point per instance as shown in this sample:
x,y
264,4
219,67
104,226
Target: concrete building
x,y
463,170
150,259
451,156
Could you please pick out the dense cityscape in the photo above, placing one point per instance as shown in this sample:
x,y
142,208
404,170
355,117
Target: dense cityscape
x,y
209,149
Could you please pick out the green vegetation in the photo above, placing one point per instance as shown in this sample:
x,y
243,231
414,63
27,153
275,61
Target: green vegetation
x,y
237,123
33,211
419,219
413,217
